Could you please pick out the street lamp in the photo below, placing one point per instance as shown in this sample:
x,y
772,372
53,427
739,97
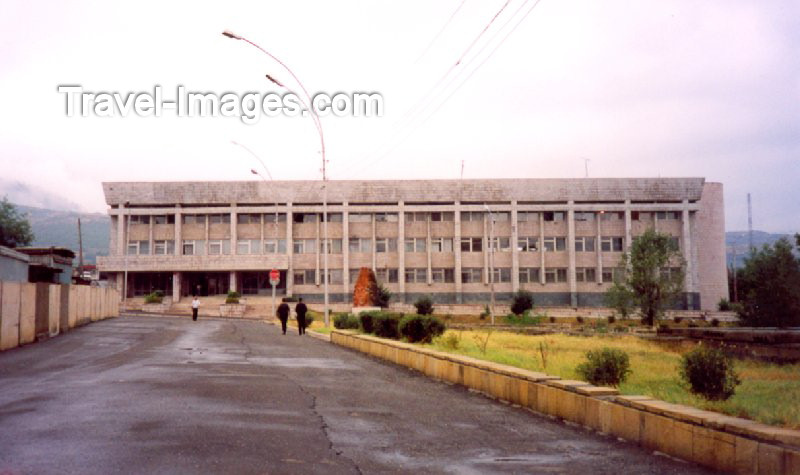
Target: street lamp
x,y
127,220
491,260
307,103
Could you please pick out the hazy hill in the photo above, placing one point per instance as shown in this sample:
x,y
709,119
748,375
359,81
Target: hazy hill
x,y
60,228
738,241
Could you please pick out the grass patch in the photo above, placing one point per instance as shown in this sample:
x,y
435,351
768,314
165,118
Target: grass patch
x,y
769,393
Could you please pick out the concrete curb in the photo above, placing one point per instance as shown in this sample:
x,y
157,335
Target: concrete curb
x,y
711,439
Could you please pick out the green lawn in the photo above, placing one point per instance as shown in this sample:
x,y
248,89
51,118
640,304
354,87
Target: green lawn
x,y
769,393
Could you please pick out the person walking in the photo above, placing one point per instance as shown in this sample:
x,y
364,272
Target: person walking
x,y
195,307
301,310
283,315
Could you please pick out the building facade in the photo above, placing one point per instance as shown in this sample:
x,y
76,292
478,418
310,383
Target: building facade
x,y
458,241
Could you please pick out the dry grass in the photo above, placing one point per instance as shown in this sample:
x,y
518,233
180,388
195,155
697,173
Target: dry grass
x,y
769,393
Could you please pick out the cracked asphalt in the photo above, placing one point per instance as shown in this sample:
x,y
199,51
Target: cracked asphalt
x,y
168,395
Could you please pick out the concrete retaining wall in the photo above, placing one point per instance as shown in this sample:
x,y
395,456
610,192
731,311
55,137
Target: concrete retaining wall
x,y
28,311
711,439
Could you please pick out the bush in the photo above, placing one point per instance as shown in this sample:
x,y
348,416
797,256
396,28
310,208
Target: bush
x,y
381,296
521,302
552,319
420,328
366,321
309,320
233,297
611,319
677,319
486,312
714,322
524,319
724,305
386,325
452,341
424,305
579,319
605,367
709,373
345,321
156,296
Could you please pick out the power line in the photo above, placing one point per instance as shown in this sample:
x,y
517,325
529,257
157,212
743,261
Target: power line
x,y
449,20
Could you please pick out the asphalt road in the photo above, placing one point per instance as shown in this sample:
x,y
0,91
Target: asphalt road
x,y
168,395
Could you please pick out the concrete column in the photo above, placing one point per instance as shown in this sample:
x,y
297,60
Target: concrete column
x,y
232,281
261,230
628,240
487,245
541,247
401,249
317,279
686,247
457,251
121,231
178,231
208,233
346,247
374,251
176,286
428,247
150,235
289,251
598,251
234,229
573,285
514,248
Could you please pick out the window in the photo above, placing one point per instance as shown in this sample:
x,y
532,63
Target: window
x,y
359,217
194,247
219,218
386,217
528,275
552,244
664,215
501,274
385,245
472,216
418,276
304,246
415,245
584,216
138,219
585,274
353,275
422,216
611,244
332,217
471,275
248,246
443,276
500,244
334,246
304,217
612,216
164,247
335,276
441,245
138,247
442,216
641,216
219,246
612,274
386,276
553,275
554,216
531,216
271,246
360,245
500,216
528,244
584,244
271,217
164,219
670,272
248,218
194,219
675,242
305,277
471,244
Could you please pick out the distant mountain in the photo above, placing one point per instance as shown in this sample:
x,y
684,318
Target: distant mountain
x,y
739,242
60,228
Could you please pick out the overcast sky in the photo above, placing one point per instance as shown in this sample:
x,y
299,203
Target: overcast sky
x,y
641,89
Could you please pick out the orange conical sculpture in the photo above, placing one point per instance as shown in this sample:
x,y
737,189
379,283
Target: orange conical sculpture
x,y
365,288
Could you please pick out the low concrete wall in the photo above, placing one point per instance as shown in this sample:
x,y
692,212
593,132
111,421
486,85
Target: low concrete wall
x,y
711,439
30,310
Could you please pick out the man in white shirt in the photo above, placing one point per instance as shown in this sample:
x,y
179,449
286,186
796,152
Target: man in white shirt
x,y
195,306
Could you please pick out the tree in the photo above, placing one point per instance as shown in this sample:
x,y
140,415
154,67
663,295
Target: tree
x,y
380,295
653,274
15,230
620,298
521,302
769,286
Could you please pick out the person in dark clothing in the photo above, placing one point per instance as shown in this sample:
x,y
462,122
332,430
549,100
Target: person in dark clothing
x,y
301,310
283,315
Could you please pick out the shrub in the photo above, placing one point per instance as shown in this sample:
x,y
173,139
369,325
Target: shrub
x,y
552,319
605,367
677,319
386,325
524,319
424,305
724,305
693,324
381,296
709,373
367,322
521,302
579,319
156,296
452,340
714,322
486,312
345,321
420,328
611,319
233,297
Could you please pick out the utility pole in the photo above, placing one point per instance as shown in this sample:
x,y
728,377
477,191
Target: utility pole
x,y
80,250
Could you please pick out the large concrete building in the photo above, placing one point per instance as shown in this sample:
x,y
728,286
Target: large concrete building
x,y
561,239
